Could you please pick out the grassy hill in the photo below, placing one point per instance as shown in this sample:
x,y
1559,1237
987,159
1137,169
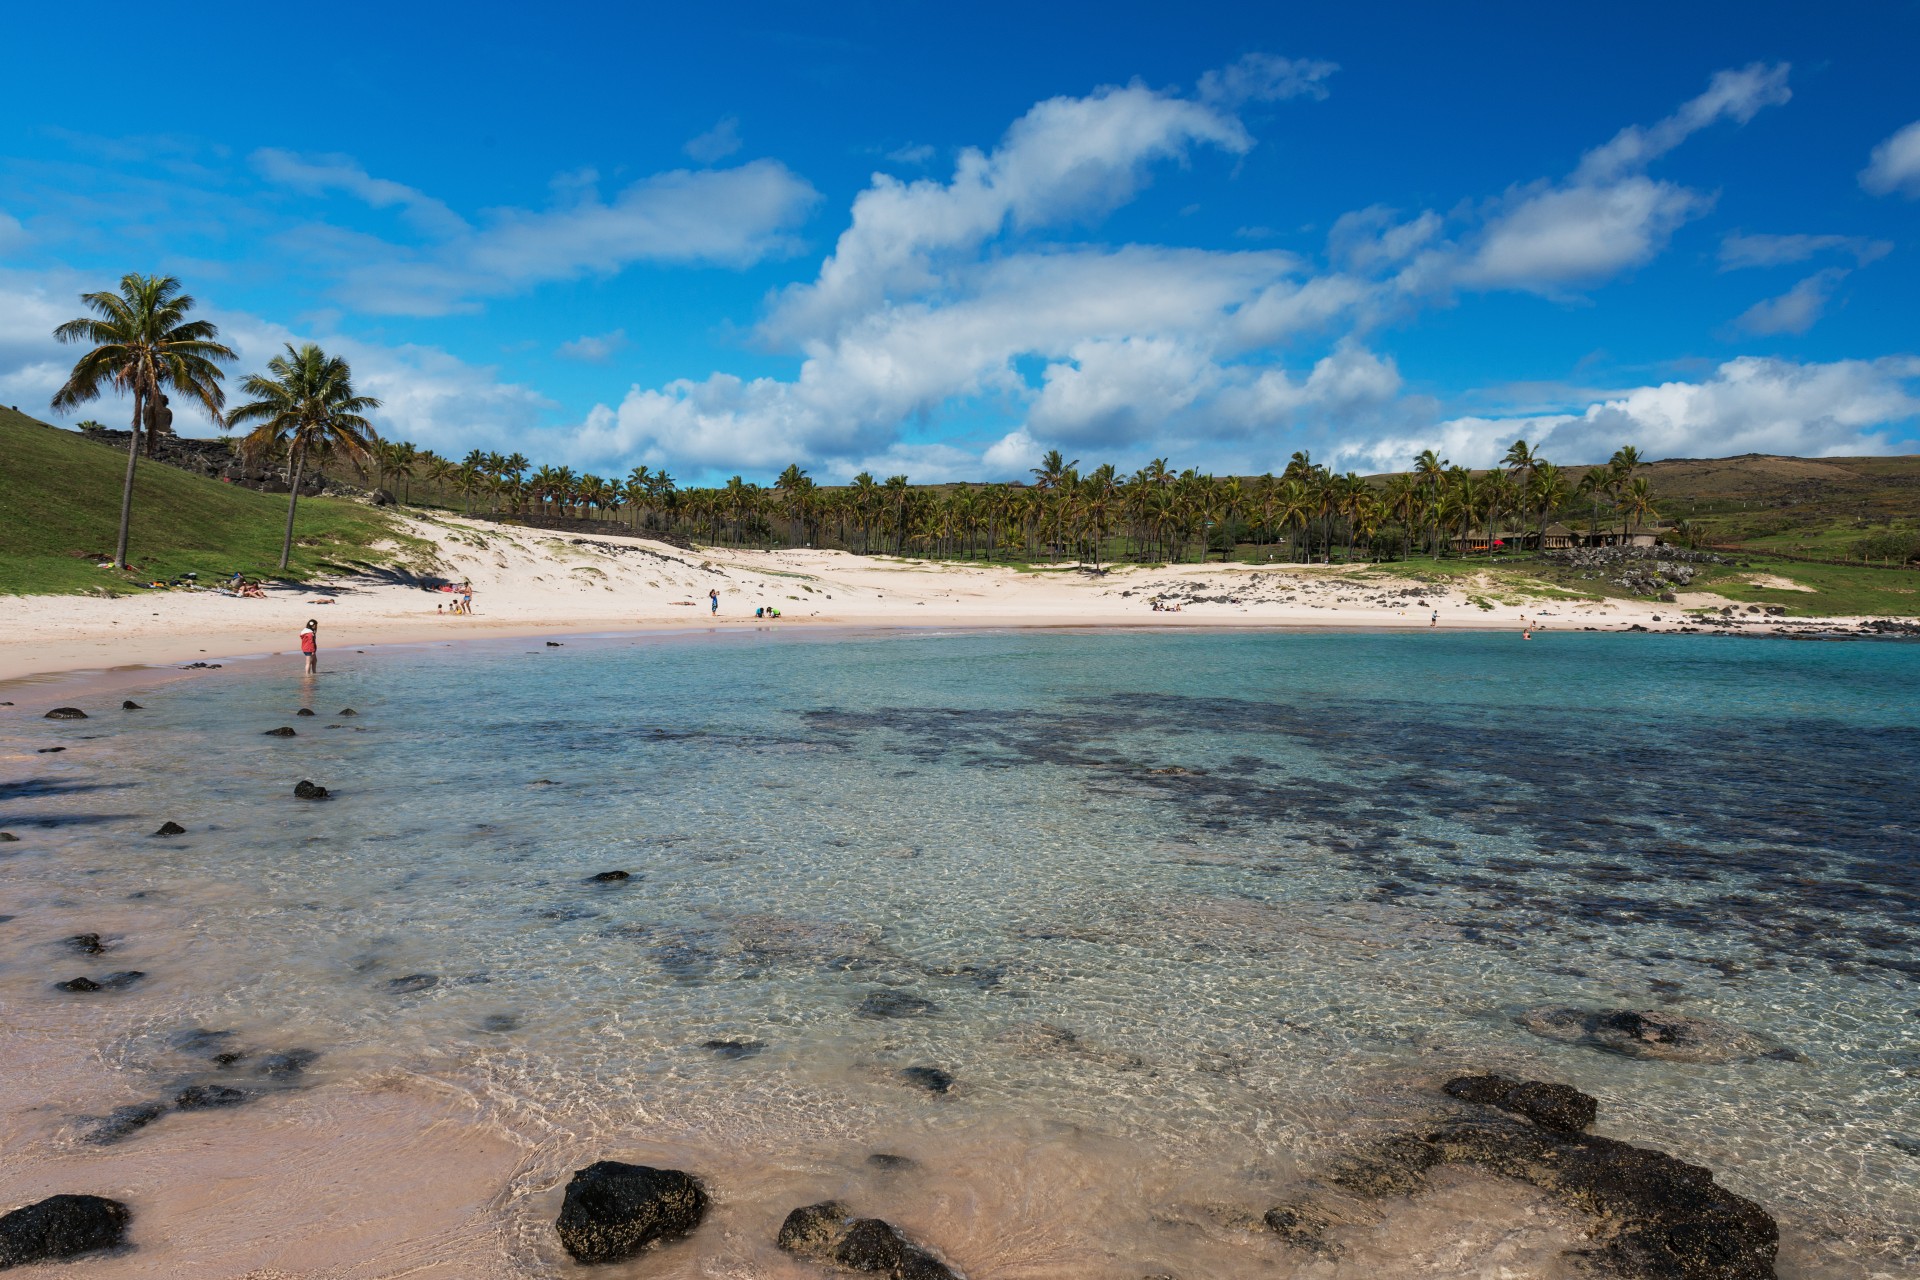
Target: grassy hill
x,y
60,508
1802,506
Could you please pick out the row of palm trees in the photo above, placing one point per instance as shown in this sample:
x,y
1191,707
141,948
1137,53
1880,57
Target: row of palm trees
x,y
140,342
1155,514
304,409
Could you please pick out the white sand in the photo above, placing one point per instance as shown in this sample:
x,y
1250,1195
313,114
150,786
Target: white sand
x,y
532,582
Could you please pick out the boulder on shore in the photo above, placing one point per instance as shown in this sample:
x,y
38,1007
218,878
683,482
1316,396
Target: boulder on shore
x,y
612,1210
828,1233
60,1227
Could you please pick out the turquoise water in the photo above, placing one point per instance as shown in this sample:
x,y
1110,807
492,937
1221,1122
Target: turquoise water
x,y
1181,914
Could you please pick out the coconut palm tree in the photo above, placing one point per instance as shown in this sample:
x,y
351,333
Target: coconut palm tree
x,y
1636,504
307,403
140,342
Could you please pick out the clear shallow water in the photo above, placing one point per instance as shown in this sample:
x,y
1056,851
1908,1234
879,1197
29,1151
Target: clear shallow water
x,y
1191,913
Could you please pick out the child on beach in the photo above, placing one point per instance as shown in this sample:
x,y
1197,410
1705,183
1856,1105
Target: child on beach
x,y
714,598
310,646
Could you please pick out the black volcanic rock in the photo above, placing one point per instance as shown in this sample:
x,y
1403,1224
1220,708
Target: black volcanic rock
x,y
932,1079
612,1210
827,1233
170,828
66,713
894,1004
61,1227
304,711
305,790
282,732
1551,1106
131,705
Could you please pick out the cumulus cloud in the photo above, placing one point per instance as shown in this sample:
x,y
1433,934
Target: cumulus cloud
x,y
1796,310
1608,216
594,348
716,143
1895,164
1749,405
1738,250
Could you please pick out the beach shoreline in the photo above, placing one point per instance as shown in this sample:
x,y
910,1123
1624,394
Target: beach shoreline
x,y
534,583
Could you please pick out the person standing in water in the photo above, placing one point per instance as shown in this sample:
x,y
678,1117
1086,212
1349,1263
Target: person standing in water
x,y
310,645
713,598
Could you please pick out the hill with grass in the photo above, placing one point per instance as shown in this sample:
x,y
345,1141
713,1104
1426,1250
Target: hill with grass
x,y
60,509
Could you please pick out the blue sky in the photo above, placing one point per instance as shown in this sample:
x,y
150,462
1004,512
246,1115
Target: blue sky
x,y
938,240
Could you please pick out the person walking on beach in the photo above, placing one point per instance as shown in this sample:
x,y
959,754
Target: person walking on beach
x,y
1436,619
310,646
713,598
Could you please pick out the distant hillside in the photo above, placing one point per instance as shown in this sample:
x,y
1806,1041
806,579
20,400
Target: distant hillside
x,y
1818,505
60,508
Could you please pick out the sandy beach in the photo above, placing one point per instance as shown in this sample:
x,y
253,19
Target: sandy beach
x,y
530,582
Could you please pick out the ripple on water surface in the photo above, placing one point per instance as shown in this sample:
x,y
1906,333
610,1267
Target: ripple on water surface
x,y
1118,937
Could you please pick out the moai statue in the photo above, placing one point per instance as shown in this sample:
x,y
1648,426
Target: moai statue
x,y
159,420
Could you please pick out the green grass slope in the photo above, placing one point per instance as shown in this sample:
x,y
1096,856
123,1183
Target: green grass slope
x,y
60,495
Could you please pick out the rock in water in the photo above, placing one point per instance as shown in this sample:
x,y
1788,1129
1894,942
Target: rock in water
x,y
347,711
1674,1037
1559,1107
66,713
282,732
131,705
305,790
609,877
61,1227
304,711
171,828
826,1233
87,944
612,1210
932,1079
733,1050
413,982
206,1097
894,1004
7,837
124,1122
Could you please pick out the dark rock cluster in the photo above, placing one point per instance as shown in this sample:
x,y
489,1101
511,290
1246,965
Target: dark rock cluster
x,y
829,1233
61,1227
612,1211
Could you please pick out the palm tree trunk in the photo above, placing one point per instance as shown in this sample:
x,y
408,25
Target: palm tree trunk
x,y
126,489
293,499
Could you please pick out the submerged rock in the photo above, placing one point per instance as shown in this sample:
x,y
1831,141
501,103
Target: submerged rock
x,y
61,1227
895,1004
290,1063
304,711
305,790
733,1050
1559,1107
1673,1037
206,1097
346,711
612,1210
1655,1217
828,1233
131,705
609,877
932,1079
124,1122
282,732
112,981
890,1162
7,837
87,944
66,713
413,982
170,828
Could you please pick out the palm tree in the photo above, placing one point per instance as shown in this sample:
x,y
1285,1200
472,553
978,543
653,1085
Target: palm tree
x,y
1594,483
142,341
307,404
1636,504
1546,491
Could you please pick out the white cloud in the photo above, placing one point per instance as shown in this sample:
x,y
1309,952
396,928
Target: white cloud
x,y
1749,405
1011,456
1608,217
1578,235
1266,77
1796,310
725,217
318,175
913,153
1738,250
1730,95
13,236
594,348
1895,164
1371,239
716,143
